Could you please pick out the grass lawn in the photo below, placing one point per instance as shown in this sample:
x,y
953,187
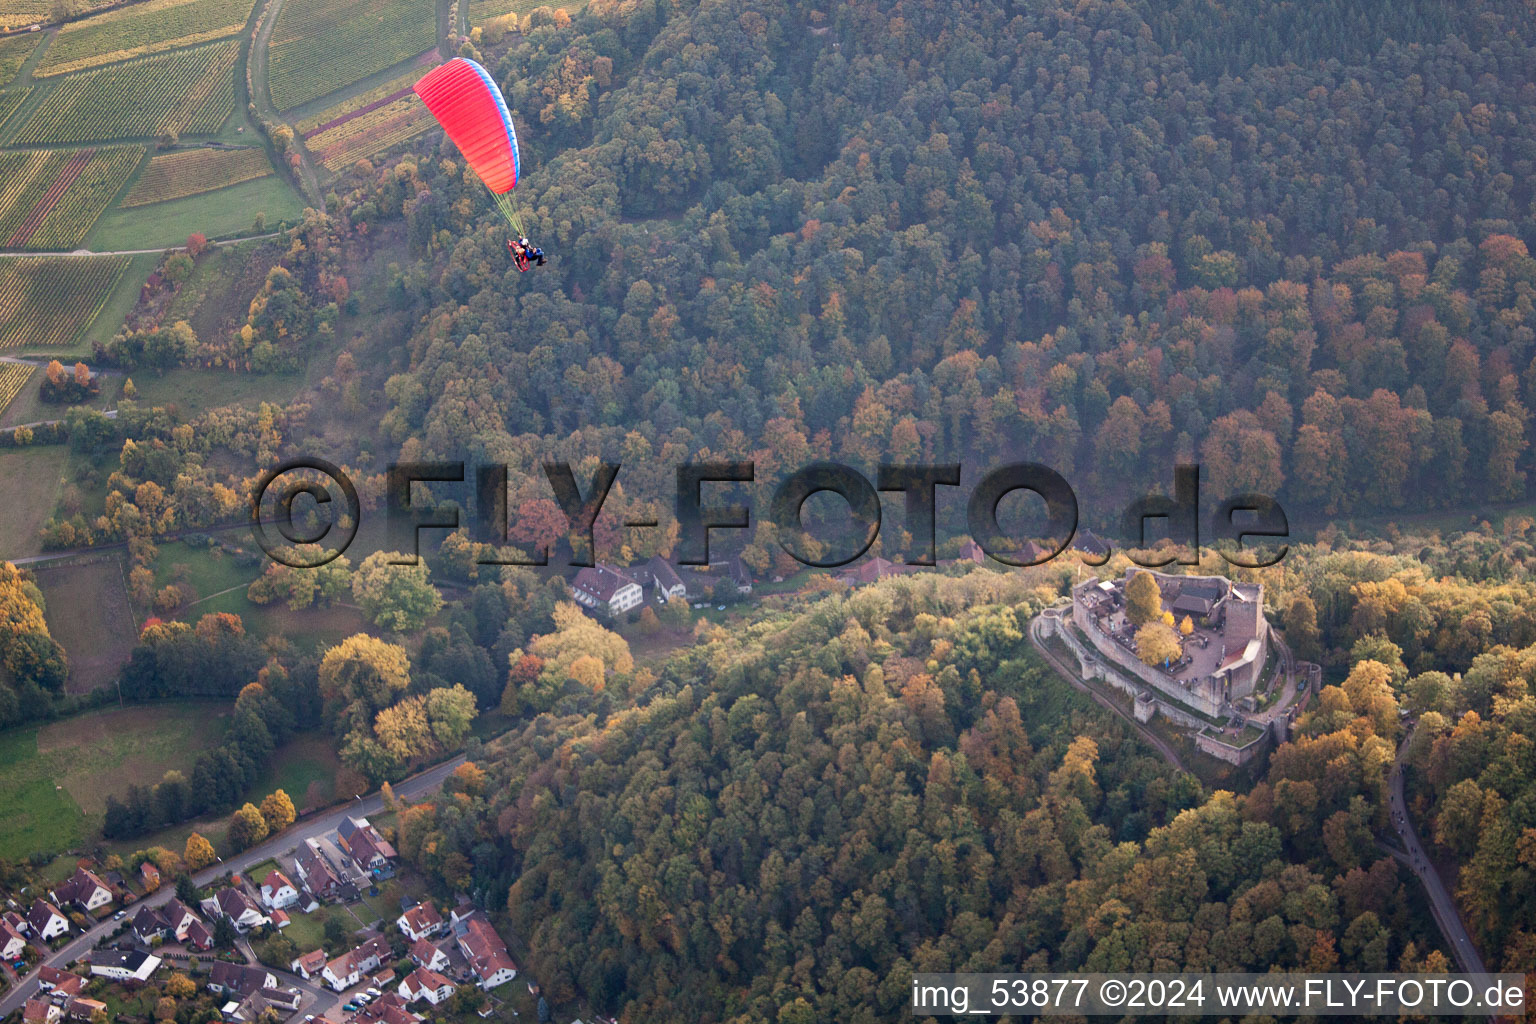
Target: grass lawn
x,y
257,872
89,613
33,479
39,814
304,768
223,213
194,391
307,932
209,571
102,752
120,303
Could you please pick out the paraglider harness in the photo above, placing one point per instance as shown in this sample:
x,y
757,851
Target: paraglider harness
x,y
523,253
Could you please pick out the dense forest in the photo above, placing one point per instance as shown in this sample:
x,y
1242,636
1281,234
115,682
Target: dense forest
x,y
1288,241
909,232
793,818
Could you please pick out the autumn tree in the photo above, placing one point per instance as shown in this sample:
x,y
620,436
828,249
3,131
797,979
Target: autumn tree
x,y
199,852
277,810
1157,645
247,827
1143,599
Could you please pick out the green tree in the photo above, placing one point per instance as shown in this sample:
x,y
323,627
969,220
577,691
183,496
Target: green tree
x,y
396,597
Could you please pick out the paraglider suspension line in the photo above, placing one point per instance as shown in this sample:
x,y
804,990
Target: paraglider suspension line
x,y
509,210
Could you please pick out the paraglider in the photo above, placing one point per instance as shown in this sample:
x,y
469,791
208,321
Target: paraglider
x,y
465,100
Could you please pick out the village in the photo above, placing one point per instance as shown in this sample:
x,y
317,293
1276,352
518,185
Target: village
x,y
370,962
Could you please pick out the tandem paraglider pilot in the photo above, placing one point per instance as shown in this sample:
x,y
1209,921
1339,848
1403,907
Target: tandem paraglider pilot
x,y
465,100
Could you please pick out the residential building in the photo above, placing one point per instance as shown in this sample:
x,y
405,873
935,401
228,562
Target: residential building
x,y
606,589
133,965
277,892
40,1011
661,574
486,953
12,942
149,876
84,890
51,979
178,918
425,984
741,576
199,936
348,969
241,910
227,979
16,921
424,954
319,878
81,1008
150,924
309,965
422,921
369,850
871,569
46,921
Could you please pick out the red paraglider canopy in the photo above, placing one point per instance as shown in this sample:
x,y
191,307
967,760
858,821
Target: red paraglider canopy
x,y
463,97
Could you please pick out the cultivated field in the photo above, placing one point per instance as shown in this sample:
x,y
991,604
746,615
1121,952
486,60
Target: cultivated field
x,y
188,91
50,198
14,51
88,613
369,133
141,29
394,89
13,377
10,100
193,171
46,301
323,46
20,13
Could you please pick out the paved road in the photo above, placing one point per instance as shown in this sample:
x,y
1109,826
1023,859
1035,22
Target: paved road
x,y
1440,902
412,788
1157,742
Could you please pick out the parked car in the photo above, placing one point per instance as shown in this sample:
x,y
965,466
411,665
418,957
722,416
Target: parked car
x,y
374,993
119,915
350,1007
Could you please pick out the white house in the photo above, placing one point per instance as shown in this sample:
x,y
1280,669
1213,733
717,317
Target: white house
x,y
46,920
241,910
12,942
84,890
309,965
277,892
665,579
425,984
486,953
348,969
40,1011
421,921
120,965
424,954
606,589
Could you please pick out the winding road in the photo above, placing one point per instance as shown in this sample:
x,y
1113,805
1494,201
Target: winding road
x,y
416,786
1441,905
